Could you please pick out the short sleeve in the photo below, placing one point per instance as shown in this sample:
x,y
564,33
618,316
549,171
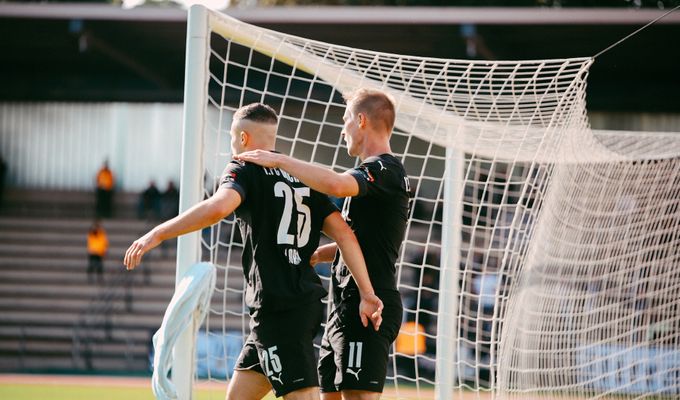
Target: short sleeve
x,y
235,176
371,176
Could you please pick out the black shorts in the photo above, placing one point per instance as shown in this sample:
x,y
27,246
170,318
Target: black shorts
x,y
281,347
353,357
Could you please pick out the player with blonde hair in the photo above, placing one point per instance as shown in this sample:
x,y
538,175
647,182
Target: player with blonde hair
x,y
353,359
280,220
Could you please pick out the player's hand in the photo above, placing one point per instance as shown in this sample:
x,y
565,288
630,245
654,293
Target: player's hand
x,y
371,308
259,157
134,253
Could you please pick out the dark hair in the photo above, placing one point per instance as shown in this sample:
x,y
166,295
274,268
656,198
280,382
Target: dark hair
x,y
257,112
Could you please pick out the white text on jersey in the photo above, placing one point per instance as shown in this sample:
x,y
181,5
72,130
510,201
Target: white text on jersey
x,y
278,172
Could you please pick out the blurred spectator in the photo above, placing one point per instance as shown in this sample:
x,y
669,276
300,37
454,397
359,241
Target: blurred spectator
x,y
104,192
150,203
475,46
410,343
170,201
97,247
3,174
486,287
428,301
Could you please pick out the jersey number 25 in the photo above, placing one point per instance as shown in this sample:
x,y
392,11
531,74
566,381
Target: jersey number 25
x,y
302,218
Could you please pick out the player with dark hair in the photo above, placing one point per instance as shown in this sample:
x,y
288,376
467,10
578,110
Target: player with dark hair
x,y
353,359
280,221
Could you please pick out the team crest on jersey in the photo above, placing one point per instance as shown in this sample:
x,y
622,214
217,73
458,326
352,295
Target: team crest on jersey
x,y
367,173
229,177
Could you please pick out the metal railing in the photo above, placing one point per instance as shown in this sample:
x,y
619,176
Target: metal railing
x,y
94,325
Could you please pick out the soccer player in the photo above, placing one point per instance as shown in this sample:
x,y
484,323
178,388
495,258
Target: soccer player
x,y
353,359
280,219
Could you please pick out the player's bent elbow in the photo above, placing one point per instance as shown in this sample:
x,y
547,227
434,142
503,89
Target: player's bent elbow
x,y
222,212
218,210
344,236
334,189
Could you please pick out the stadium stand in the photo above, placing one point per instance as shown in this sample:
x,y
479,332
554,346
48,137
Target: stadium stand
x,y
51,318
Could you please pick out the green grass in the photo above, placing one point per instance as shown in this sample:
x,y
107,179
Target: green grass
x,y
75,392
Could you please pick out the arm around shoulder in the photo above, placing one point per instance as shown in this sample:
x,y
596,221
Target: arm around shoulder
x,y
319,178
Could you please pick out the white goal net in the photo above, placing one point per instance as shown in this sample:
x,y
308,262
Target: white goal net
x,y
542,258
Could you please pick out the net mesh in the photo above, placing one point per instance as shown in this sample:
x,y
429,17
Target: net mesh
x,y
566,278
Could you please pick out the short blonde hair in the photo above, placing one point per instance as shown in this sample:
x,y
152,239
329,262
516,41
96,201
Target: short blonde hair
x,y
376,104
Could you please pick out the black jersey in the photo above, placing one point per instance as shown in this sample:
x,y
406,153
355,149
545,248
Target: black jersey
x,y
280,221
378,216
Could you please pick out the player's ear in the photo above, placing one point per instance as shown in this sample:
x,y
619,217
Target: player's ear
x,y
245,137
362,120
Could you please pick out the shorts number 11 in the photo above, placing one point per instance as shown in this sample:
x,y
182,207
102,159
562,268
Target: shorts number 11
x,y
355,354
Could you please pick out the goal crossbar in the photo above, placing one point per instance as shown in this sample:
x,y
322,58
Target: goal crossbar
x,y
541,256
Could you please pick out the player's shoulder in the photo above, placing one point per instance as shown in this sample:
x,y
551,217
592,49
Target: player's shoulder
x,y
238,171
384,162
235,164
241,166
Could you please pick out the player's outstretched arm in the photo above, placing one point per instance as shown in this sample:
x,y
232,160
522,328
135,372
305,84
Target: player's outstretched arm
x,y
316,177
203,214
371,306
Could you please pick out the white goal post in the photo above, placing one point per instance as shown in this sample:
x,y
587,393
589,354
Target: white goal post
x,y
541,259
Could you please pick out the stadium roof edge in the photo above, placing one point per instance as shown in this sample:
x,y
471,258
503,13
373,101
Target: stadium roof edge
x,y
351,15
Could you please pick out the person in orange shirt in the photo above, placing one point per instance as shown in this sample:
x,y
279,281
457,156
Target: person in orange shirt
x,y
97,246
410,343
105,182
